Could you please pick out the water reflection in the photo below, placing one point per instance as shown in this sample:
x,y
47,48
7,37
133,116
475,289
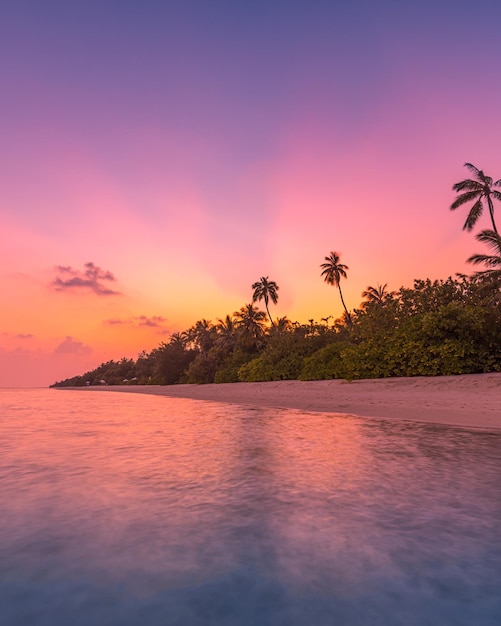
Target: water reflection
x,y
123,509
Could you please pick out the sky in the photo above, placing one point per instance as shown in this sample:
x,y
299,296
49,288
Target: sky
x,y
157,158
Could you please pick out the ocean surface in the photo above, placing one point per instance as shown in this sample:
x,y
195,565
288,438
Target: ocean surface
x,y
136,510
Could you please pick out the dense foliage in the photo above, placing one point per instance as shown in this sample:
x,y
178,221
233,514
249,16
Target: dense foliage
x,y
436,327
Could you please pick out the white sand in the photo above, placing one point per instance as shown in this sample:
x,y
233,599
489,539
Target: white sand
x,y
472,400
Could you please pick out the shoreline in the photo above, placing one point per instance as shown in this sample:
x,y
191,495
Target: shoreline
x,y
467,400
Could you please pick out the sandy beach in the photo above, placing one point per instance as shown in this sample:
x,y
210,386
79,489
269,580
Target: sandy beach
x,y
472,400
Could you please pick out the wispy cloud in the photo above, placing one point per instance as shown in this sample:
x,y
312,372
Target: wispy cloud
x,y
141,321
18,335
92,278
114,322
71,346
41,366
156,321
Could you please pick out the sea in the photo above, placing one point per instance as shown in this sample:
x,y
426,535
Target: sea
x,y
136,510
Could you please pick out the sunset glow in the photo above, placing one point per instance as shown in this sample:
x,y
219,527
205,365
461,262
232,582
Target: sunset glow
x,y
158,158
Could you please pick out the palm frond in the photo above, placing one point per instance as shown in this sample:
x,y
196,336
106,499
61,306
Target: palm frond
x,y
493,276
493,261
491,239
332,268
496,194
473,169
468,184
476,259
332,259
486,259
473,215
464,198
329,276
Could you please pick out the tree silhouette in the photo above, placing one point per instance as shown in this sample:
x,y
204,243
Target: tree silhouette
x,y
250,323
333,271
226,333
477,191
201,335
266,290
377,295
491,261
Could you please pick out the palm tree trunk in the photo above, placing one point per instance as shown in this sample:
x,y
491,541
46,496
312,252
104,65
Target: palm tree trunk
x,y
342,300
268,310
272,323
491,211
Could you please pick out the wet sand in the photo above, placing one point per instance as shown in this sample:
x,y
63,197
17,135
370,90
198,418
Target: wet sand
x,y
472,400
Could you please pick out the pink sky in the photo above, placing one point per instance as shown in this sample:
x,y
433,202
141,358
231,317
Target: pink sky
x,y
176,157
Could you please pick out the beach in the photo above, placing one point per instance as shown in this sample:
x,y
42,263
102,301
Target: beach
x,y
470,400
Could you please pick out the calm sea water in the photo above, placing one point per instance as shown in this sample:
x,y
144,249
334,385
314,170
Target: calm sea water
x,y
122,509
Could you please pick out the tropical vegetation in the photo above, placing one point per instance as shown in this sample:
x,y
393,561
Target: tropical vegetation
x,y
435,327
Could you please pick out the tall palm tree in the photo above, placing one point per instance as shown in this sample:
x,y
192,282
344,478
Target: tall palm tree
x,y
266,290
333,271
477,190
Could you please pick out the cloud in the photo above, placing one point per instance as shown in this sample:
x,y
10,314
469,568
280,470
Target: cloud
x,y
40,367
91,278
18,335
70,346
156,321
141,321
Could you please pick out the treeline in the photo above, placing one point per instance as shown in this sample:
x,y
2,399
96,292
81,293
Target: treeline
x,y
437,327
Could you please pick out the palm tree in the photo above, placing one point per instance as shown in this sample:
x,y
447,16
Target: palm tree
x,y
333,271
250,323
477,191
491,261
265,290
490,277
377,295
283,325
178,339
201,335
226,332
